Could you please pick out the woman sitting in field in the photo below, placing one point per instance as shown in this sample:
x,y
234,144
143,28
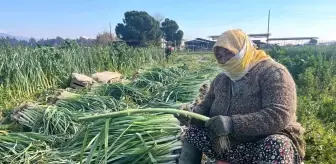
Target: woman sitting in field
x,y
252,110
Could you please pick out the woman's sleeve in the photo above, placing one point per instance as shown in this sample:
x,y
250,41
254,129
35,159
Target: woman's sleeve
x,y
204,107
278,97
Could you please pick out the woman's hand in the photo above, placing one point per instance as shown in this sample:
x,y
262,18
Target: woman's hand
x,y
219,126
185,120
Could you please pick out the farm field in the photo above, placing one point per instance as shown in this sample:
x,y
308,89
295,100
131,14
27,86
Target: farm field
x,y
42,122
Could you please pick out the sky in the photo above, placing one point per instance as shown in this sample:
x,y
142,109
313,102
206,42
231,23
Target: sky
x,y
197,18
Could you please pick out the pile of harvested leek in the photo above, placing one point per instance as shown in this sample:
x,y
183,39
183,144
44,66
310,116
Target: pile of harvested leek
x,y
116,137
99,127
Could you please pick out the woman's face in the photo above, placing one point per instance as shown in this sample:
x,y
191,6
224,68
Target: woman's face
x,y
223,55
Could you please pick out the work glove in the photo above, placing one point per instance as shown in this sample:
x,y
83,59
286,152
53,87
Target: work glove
x,y
219,129
219,125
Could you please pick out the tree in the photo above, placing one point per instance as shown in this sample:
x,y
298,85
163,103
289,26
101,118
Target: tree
x,y
178,37
171,31
139,28
58,41
158,17
105,38
32,42
54,42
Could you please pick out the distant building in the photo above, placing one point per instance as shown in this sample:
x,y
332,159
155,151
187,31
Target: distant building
x,y
199,44
332,42
214,37
254,37
294,41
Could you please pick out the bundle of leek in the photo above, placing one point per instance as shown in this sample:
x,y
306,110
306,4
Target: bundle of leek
x,y
130,131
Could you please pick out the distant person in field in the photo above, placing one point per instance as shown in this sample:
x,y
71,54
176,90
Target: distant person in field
x,y
252,110
169,51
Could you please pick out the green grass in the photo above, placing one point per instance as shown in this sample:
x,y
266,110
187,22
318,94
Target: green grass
x,y
26,71
313,69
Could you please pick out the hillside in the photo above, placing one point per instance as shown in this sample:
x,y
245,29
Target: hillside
x,y
4,35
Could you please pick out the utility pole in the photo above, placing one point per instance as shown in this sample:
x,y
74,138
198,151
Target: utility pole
x,y
110,32
268,24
